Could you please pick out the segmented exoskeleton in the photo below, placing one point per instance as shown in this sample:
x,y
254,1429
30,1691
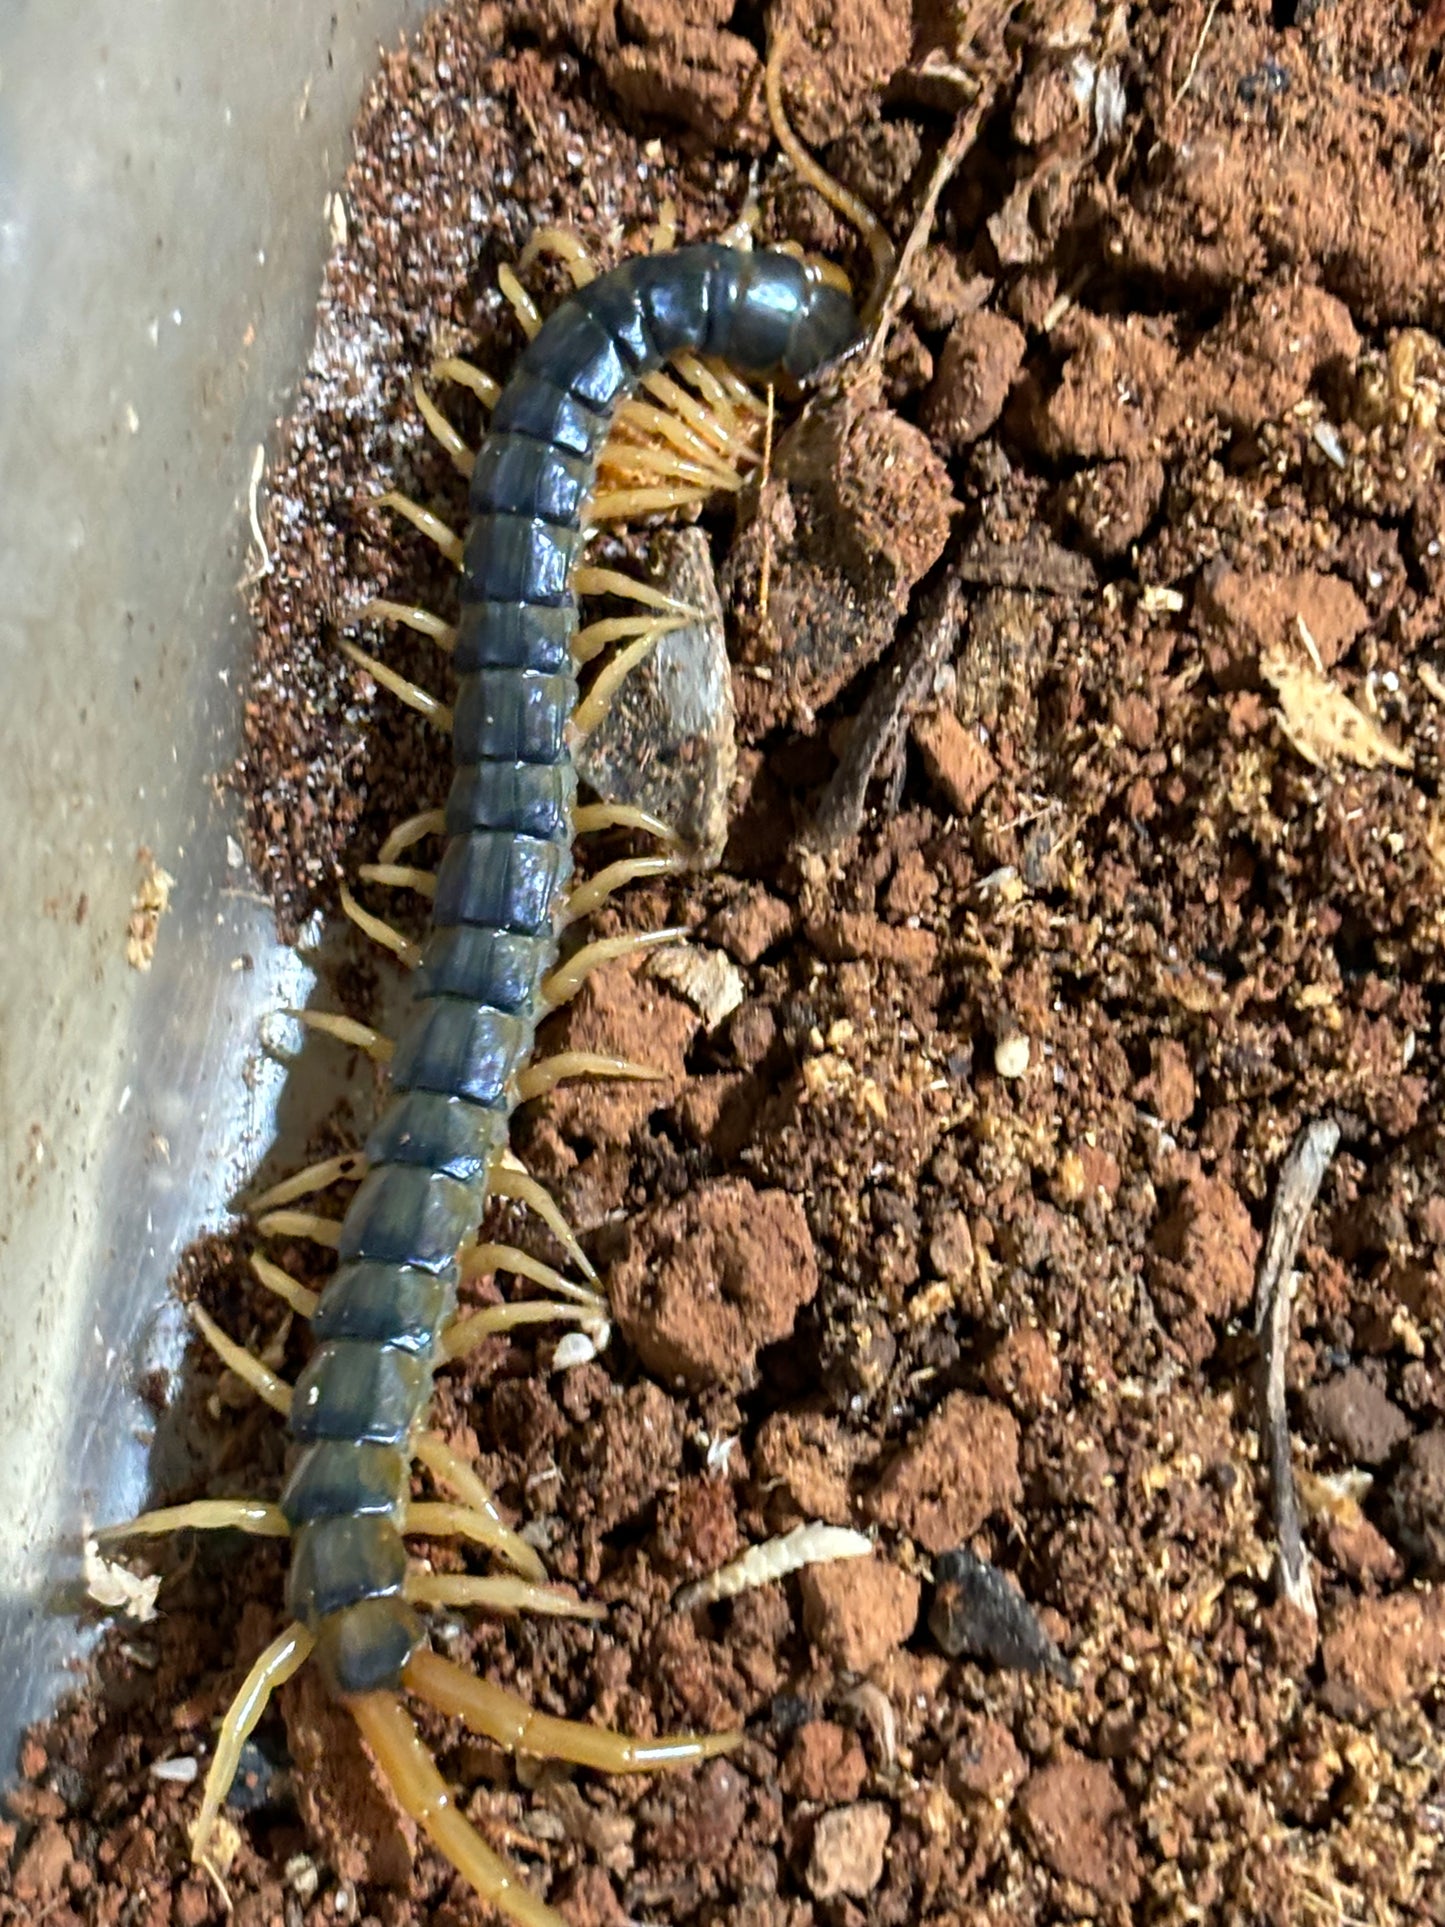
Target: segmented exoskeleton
x,y
487,971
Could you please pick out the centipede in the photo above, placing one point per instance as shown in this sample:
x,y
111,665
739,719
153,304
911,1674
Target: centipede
x,y
604,418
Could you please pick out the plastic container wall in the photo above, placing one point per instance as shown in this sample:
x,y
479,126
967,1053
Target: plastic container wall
x,y
163,175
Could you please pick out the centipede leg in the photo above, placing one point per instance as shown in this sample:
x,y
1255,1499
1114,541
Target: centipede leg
x,y
380,931
478,1260
411,830
306,1183
256,1516
463,457
410,693
497,1593
548,1072
568,978
411,1773
286,1655
510,1722
594,705
450,1469
469,1330
591,895
431,526
346,1030
313,1225
511,1180
289,1290
265,1383
411,615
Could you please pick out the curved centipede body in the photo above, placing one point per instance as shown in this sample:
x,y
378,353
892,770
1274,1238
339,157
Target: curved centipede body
x,y
486,973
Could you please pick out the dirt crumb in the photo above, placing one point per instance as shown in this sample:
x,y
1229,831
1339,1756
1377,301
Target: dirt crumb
x,y
848,1848
952,1473
825,1763
702,1285
859,1610
1380,1651
1080,1822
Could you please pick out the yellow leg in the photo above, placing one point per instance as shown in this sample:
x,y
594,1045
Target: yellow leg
x,y
411,830
477,1261
411,616
589,818
400,876
380,931
286,1655
548,1072
664,234
646,418
411,1773
290,1290
500,1594
346,1030
412,694
630,504
568,978
629,460
441,1519
595,704
589,642
450,1469
510,1180
507,1719
256,1516
523,306
590,896
453,368
261,1379
469,1329
431,526
462,457
305,1184
302,1224
564,246
590,580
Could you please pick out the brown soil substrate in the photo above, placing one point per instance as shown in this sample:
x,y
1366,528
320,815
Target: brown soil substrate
x,y
950,1229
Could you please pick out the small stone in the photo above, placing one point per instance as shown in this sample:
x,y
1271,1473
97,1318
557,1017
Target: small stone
x,y
980,358
1023,1370
193,1904
810,1457
1207,1247
1352,1413
848,1848
1080,1824
40,1870
825,1762
1011,1055
1381,1651
1417,1498
960,1466
955,759
984,1761
703,1282
668,740
858,1611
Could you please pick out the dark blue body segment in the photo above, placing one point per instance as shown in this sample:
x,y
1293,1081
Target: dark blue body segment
x,y
500,892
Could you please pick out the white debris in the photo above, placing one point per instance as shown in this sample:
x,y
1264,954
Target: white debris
x,y
710,981
111,1584
810,1545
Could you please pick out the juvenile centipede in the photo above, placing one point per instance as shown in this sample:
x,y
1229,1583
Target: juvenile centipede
x,y
488,970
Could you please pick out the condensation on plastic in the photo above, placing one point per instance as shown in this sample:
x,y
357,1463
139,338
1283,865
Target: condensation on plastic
x,y
163,175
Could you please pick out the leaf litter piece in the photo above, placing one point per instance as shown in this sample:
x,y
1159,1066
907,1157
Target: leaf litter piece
x,y
809,1545
1300,1178
1321,722
976,1612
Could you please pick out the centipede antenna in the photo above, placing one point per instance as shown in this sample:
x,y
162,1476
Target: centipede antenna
x,y
380,931
399,876
507,1720
478,1261
453,368
523,306
262,1380
411,693
463,457
450,1469
591,819
879,242
472,1328
565,246
256,1516
411,615
548,1072
591,895
431,526
289,1290
499,1593
568,978
305,1184
411,1773
285,1656
302,1224
598,700
410,831
509,1179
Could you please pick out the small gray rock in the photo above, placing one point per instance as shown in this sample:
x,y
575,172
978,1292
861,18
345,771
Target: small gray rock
x,y
977,1612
